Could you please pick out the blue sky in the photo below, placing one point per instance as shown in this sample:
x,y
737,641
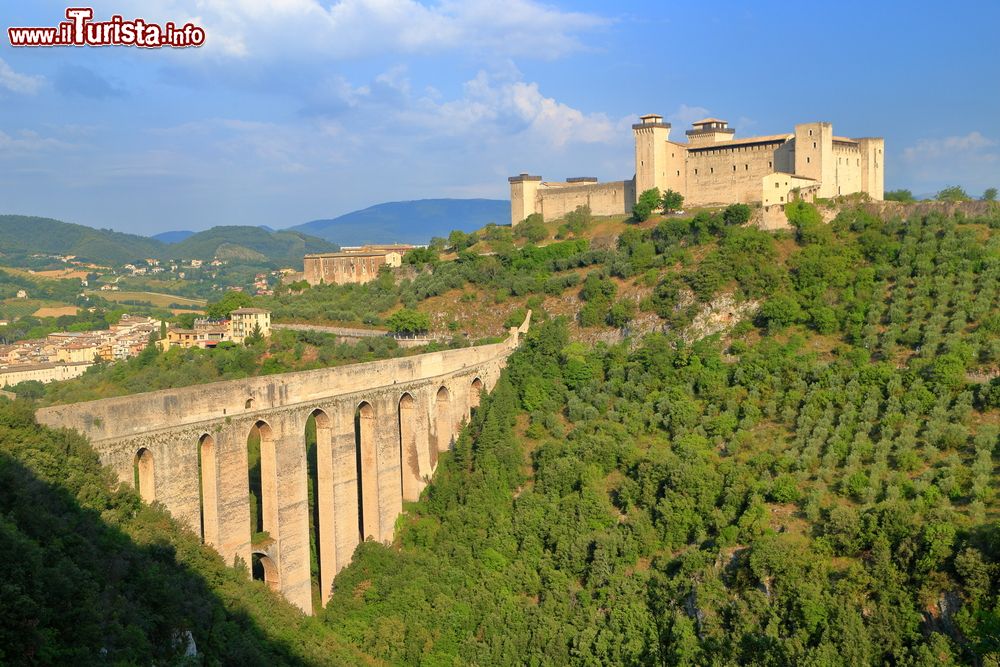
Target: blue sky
x,y
302,109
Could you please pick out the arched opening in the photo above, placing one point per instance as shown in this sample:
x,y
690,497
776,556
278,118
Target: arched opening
x,y
263,483
474,394
409,464
319,469
208,490
248,404
364,446
443,421
264,569
142,473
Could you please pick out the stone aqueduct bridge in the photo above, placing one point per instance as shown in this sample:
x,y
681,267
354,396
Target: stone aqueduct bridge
x,y
379,428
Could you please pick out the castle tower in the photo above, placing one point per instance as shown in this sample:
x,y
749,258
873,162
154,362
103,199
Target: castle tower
x,y
872,166
814,156
651,136
709,131
523,190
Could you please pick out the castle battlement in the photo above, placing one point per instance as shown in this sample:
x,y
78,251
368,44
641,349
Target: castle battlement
x,y
715,168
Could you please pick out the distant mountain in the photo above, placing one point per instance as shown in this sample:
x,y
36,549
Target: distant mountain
x,y
25,235
172,237
409,221
249,245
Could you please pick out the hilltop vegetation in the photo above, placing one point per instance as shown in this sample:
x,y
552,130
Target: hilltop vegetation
x,y
818,488
812,484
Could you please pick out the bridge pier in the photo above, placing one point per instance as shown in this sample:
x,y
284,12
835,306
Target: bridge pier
x,y
292,509
192,444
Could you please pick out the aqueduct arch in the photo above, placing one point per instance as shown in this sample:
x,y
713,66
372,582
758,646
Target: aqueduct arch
x,y
145,480
368,420
208,487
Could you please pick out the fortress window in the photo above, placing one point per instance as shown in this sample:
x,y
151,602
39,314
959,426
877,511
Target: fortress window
x,y
770,165
808,160
734,167
814,144
777,185
711,170
678,172
746,167
696,172
810,134
781,198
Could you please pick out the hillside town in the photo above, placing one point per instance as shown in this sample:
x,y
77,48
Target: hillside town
x,y
63,355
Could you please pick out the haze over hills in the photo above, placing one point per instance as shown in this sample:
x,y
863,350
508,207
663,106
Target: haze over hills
x,y
409,221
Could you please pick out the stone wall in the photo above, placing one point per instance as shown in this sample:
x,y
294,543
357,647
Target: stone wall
x,y
555,200
401,412
342,268
726,175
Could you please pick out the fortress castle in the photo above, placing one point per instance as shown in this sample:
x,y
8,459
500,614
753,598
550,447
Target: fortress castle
x,y
714,167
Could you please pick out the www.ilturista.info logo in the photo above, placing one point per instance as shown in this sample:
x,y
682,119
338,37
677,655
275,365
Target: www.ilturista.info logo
x,y
81,30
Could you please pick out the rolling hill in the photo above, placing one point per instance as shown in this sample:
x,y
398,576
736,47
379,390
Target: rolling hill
x,y
22,236
25,235
243,244
408,221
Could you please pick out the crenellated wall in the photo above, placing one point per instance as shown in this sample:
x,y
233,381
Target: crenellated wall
x,y
387,420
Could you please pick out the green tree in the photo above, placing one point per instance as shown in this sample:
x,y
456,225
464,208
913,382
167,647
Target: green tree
x,y
901,195
408,321
532,228
621,313
990,194
579,219
426,255
737,214
808,223
229,302
671,201
648,202
952,193
459,240
256,336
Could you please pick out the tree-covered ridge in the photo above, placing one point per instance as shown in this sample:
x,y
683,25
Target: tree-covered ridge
x,y
684,509
95,576
22,236
818,488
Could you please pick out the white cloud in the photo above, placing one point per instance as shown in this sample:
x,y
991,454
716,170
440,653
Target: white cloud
x,y
29,141
358,28
24,84
507,106
685,115
971,145
970,160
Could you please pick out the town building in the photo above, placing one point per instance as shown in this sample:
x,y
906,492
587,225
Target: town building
x,y
243,322
208,333
713,167
66,354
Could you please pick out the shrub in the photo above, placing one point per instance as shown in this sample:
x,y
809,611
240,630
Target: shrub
x,y
648,202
